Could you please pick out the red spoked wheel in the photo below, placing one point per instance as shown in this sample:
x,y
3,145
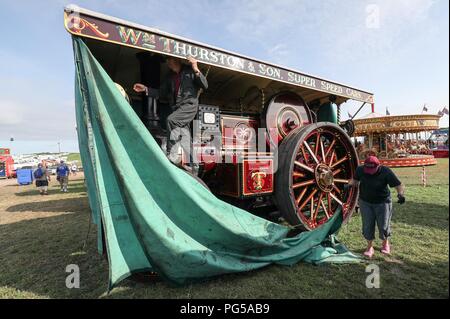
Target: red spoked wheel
x,y
314,165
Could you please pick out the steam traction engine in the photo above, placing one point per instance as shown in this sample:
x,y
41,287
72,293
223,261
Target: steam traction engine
x,y
265,137
303,174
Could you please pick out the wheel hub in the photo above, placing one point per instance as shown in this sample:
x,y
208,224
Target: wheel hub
x,y
324,177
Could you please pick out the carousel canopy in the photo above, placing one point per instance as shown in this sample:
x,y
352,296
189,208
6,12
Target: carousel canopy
x,y
395,124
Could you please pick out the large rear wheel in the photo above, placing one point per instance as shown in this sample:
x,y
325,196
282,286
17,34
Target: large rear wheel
x,y
315,163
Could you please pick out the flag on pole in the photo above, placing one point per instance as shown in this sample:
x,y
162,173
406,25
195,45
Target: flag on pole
x,y
440,113
445,110
387,112
424,109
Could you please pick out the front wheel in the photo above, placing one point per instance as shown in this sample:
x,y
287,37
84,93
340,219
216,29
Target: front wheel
x,y
315,164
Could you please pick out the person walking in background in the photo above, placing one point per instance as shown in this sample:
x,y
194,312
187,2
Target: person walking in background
x,y
74,169
62,175
375,202
42,178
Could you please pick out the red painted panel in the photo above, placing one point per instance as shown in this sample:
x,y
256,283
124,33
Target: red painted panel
x,y
239,132
257,176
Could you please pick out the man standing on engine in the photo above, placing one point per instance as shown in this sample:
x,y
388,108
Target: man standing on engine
x,y
181,91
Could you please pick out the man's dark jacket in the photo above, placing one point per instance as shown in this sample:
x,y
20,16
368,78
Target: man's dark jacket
x,y
190,84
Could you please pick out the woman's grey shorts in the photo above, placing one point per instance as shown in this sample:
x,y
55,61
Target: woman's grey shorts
x,y
376,213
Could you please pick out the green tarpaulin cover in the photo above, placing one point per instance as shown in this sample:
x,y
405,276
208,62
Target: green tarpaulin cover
x,y
153,215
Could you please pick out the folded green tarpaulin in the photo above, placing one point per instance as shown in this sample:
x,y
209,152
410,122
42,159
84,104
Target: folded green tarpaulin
x,y
153,215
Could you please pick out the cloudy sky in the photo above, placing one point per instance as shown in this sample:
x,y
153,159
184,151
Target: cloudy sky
x,y
398,49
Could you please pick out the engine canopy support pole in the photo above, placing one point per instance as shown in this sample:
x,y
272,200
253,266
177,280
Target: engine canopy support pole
x,y
338,114
360,108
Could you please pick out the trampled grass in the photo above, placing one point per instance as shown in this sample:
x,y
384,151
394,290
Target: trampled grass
x,y
40,236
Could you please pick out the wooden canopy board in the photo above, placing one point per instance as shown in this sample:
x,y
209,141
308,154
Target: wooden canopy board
x,y
95,26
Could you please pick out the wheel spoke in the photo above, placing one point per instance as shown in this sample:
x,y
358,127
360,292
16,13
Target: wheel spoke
x,y
333,154
305,183
330,147
299,198
323,151
340,161
316,211
337,171
336,199
311,152
337,189
305,167
341,181
305,155
324,208
317,144
297,174
329,202
307,199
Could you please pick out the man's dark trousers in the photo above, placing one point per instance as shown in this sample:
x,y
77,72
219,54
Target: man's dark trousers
x,y
178,125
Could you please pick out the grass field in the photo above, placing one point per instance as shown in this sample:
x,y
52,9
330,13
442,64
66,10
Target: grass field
x,y
39,236
74,157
